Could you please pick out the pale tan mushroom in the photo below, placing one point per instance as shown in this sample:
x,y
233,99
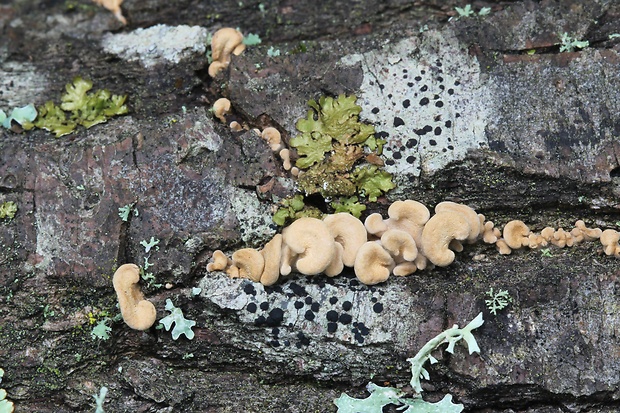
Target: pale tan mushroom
x,y
516,234
609,239
250,263
439,231
285,154
502,247
471,215
401,246
138,313
272,253
273,138
547,233
235,126
536,241
220,262
307,246
221,108
224,42
373,264
349,232
583,233
562,238
115,7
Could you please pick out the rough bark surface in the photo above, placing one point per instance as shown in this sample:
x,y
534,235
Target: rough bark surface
x,y
515,135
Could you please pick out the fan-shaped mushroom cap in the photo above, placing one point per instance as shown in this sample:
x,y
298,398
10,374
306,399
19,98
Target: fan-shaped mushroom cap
x,y
547,233
250,263
336,266
404,268
221,108
609,239
562,238
536,240
224,42
137,312
220,262
271,252
308,246
488,231
375,225
439,231
502,247
582,232
347,231
373,264
400,245
516,234
273,138
470,214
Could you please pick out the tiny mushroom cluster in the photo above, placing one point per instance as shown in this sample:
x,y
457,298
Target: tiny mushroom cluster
x,y
410,239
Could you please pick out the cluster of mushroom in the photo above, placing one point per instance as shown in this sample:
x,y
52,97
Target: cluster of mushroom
x,y
221,110
409,240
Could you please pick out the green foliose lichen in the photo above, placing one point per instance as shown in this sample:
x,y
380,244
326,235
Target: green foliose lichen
x,y
79,106
293,208
8,210
338,156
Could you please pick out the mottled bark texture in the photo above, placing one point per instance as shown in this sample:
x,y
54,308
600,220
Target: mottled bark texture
x,y
479,110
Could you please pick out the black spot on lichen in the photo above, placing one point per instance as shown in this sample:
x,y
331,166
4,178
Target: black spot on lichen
x,y
439,104
437,131
411,143
299,290
397,155
410,159
275,317
299,305
309,315
346,306
345,319
264,306
377,308
332,316
332,327
424,101
406,103
315,307
251,307
398,122
432,142
375,110
308,300
333,300
249,289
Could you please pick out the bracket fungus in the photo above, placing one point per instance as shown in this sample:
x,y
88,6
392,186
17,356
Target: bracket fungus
x,y
373,264
439,232
409,240
138,313
224,43
308,246
347,231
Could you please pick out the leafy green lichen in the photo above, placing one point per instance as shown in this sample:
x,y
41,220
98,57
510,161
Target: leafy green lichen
x,y
333,152
293,208
8,210
85,108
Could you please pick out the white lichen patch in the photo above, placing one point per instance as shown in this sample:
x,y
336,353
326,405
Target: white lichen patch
x,y
20,83
157,44
425,97
255,218
301,312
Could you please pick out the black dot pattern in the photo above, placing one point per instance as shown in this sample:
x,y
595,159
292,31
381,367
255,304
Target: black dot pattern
x,y
422,95
290,314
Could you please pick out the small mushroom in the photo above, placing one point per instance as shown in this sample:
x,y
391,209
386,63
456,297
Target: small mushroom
x,y
138,313
516,234
503,247
439,231
562,238
250,263
115,7
584,233
308,246
547,233
235,126
271,252
221,108
224,42
609,239
285,154
349,232
469,213
273,138
220,262
373,264
402,248
375,224
536,241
